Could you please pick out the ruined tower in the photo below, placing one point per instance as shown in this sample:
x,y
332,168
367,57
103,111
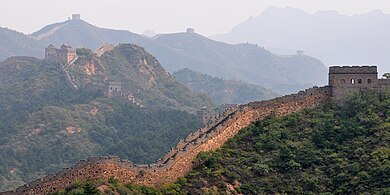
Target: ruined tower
x,y
63,55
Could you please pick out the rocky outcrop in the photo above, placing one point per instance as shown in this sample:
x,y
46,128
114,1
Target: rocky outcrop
x,y
179,161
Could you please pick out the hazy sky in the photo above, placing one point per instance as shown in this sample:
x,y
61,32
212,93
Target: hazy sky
x,y
208,17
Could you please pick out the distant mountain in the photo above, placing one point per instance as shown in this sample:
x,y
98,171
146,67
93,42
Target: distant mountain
x,y
328,35
45,125
250,63
79,33
13,43
222,91
246,62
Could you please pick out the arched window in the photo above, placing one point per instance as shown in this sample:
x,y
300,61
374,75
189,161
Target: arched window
x,y
342,81
352,81
359,81
369,81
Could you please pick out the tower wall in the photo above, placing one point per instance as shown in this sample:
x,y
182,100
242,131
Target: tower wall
x,y
347,80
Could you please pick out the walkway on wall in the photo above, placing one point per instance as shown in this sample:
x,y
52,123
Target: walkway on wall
x,y
69,78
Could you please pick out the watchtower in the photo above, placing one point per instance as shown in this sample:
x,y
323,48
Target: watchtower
x,y
345,80
190,30
113,88
63,55
76,17
206,115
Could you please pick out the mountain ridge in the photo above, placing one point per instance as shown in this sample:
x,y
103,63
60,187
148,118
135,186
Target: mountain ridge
x,y
246,62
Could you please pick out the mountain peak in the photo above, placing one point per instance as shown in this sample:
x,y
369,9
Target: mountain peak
x,y
274,10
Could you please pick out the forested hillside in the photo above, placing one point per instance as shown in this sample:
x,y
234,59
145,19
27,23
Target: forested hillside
x,y
141,75
222,91
328,150
46,126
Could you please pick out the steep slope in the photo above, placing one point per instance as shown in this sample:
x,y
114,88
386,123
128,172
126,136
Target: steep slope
x,y
13,43
46,125
222,91
142,76
332,37
341,150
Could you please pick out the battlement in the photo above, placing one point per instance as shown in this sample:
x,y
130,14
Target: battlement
x,y
353,70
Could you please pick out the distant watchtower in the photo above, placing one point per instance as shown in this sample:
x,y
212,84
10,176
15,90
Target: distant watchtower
x,y
113,88
346,80
300,53
190,30
76,17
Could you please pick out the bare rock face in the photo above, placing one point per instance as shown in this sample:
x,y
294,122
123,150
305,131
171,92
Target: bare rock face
x,y
73,130
179,161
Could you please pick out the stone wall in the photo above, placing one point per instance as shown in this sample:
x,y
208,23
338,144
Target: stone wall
x,y
103,49
384,85
179,161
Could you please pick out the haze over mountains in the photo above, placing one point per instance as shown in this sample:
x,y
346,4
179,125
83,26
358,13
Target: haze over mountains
x,y
246,62
327,35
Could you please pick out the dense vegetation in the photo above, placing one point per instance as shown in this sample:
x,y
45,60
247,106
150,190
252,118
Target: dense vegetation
x,y
332,149
45,126
222,91
327,150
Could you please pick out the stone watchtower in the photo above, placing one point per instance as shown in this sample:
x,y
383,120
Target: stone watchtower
x,y
63,55
76,17
113,88
346,80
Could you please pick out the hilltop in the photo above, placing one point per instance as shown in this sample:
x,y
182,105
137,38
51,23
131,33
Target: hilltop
x,y
13,43
46,125
222,91
246,62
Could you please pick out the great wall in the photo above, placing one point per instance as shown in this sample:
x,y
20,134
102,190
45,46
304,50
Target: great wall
x,y
178,162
